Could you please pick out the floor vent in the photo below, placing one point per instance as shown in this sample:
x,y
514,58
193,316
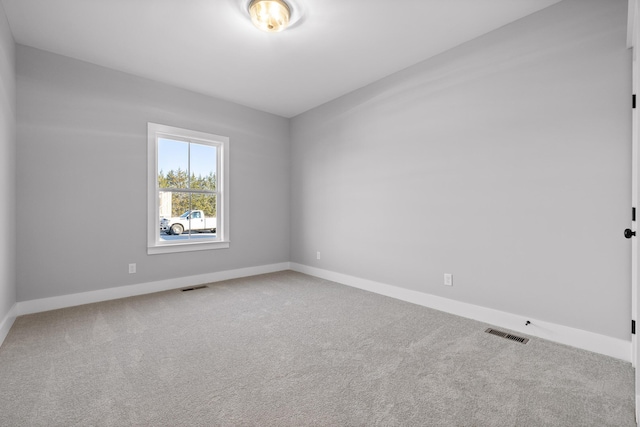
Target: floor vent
x,y
194,288
498,333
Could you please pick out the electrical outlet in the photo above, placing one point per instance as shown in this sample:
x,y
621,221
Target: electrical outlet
x,y
448,279
318,255
132,268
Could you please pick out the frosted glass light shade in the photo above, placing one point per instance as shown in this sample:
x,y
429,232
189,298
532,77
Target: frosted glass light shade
x,y
269,15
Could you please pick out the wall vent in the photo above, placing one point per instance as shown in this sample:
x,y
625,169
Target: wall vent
x,y
193,288
511,337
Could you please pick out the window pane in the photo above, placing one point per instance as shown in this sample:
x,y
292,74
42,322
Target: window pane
x,y
173,163
196,221
203,166
202,219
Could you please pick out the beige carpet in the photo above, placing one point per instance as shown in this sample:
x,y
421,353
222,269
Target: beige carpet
x,y
287,349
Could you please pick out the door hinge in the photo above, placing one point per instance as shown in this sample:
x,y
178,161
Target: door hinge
x,y
633,327
633,102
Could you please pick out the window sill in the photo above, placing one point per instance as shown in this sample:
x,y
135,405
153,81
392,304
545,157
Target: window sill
x,y
186,247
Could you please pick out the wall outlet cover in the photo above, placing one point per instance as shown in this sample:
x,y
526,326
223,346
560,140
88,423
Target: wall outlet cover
x,y
448,279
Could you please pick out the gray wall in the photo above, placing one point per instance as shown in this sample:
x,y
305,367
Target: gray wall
x,y
505,161
82,178
7,167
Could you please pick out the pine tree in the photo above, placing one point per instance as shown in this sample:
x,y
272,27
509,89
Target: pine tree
x,y
183,201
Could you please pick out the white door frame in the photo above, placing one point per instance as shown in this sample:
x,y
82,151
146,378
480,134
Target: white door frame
x,y
633,43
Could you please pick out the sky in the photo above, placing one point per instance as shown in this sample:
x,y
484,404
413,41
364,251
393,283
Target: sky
x,y
174,154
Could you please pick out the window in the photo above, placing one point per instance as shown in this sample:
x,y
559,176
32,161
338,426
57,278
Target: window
x,y
188,180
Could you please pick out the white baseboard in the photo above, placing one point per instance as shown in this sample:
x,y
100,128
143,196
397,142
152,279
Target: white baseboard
x,y
609,346
7,322
53,303
590,341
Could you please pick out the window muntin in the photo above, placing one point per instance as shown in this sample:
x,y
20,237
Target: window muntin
x,y
188,183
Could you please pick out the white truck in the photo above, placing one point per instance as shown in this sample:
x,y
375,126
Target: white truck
x,y
193,220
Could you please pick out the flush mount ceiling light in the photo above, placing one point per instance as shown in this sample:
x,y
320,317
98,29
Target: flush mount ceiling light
x,y
270,15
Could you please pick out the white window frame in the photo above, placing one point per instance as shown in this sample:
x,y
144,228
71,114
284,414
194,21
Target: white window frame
x,y
154,244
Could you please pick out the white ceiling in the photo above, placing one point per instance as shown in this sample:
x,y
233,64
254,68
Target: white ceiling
x,y
211,47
